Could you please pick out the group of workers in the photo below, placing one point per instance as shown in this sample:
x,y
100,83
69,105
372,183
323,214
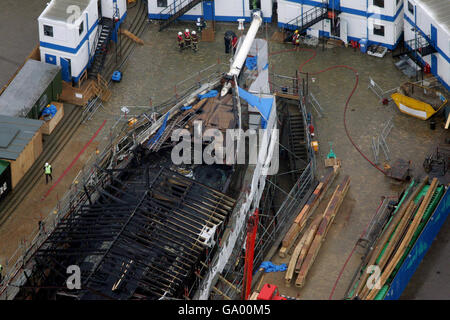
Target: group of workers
x,y
187,39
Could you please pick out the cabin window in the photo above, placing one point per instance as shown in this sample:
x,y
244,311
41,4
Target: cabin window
x,y
378,30
410,7
162,3
378,3
81,28
48,31
397,2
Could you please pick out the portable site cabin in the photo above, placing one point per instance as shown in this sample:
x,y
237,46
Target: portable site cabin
x,y
115,10
108,9
36,85
5,179
371,21
67,33
20,145
427,22
218,10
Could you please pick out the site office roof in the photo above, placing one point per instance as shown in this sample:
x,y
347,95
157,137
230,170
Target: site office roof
x,y
27,87
15,134
439,10
64,10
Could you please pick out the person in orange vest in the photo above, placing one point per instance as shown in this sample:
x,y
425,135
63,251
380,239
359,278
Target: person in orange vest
x,y
187,38
296,39
180,40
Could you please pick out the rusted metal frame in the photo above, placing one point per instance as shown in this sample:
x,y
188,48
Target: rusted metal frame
x,y
123,228
145,253
133,276
196,183
178,234
167,220
155,238
190,213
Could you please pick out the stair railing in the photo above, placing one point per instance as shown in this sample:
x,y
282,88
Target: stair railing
x,y
174,7
94,44
308,16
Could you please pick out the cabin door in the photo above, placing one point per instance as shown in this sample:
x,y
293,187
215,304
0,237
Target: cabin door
x,y
66,73
434,68
208,10
433,36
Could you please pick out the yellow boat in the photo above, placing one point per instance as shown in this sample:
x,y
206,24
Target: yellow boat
x,y
418,101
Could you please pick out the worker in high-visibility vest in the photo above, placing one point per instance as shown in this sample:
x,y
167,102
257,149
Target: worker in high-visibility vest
x,y
48,172
296,39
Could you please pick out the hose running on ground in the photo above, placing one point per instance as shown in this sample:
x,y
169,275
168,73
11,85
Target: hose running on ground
x,y
347,101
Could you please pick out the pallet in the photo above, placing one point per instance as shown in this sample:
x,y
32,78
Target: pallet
x,y
208,35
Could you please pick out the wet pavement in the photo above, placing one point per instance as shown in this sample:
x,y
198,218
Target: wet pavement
x,y
149,78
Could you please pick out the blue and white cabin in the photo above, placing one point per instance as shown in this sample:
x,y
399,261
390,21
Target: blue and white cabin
x,y
218,10
109,7
67,30
427,22
374,21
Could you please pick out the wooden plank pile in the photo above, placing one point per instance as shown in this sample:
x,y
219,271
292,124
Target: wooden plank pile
x,y
306,212
394,242
309,245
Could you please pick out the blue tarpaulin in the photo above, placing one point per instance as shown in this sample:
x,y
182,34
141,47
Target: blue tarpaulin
x,y
185,108
158,134
49,111
264,105
210,94
270,267
251,62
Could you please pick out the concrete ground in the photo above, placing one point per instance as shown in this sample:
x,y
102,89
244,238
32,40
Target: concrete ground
x,y
150,75
19,34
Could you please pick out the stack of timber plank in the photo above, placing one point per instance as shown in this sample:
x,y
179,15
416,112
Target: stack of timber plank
x,y
308,247
308,210
396,240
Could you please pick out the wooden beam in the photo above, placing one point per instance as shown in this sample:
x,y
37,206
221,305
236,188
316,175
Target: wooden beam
x,y
327,219
309,239
291,266
400,251
385,236
306,212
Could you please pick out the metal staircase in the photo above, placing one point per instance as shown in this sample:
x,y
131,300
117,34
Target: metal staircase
x,y
176,10
418,45
307,19
104,36
298,155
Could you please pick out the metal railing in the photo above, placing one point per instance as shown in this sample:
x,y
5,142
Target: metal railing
x,y
307,17
271,234
174,7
